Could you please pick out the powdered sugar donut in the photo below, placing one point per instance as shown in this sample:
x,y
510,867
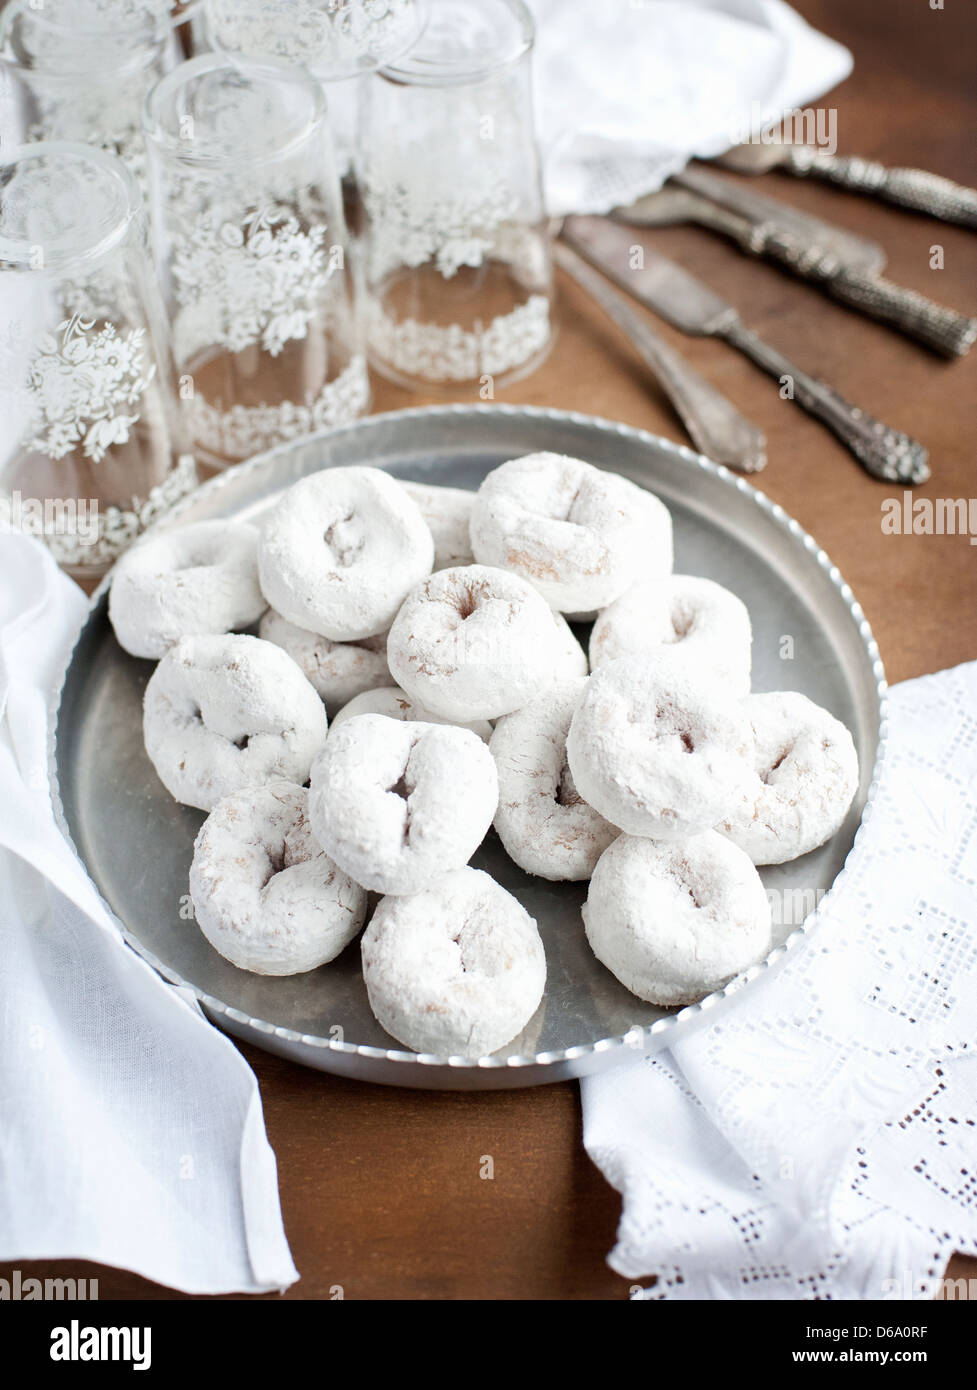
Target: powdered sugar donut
x,y
201,578
223,713
457,969
655,752
474,643
265,894
399,805
674,921
579,534
337,670
341,550
447,512
806,775
543,821
393,702
697,622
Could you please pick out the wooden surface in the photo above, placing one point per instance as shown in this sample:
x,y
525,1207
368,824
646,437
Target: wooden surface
x,y
381,1188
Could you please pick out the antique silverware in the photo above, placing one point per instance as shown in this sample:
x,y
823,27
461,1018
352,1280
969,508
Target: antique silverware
x,y
681,299
714,424
909,188
848,267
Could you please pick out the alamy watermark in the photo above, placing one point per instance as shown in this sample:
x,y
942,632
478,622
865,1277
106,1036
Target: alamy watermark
x,y
929,516
809,125
51,516
17,1289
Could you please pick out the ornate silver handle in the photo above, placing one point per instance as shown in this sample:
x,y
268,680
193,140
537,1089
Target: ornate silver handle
x,y
910,188
885,453
714,424
940,328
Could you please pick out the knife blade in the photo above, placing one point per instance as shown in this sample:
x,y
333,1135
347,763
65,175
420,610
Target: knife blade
x,y
852,251
684,301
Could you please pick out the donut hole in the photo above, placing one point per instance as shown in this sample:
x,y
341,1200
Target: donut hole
x,y
344,541
566,791
781,757
400,787
681,620
242,742
275,865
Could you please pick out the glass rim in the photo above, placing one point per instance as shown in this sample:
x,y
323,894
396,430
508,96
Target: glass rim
x,y
147,27
185,74
462,72
18,252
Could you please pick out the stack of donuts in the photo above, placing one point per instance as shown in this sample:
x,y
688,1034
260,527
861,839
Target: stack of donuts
x,y
415,681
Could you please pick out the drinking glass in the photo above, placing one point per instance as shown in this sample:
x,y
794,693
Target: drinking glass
x,y
92,449
457,259
251,243
80,69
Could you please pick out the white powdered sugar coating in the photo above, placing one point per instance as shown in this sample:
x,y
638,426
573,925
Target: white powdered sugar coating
x,y
395,703
676,920
224,713
695,621
458,969
806,775
265,894
543,821
337,670
341,550
447,512
475,643
579,534
201,578
655,751
399,805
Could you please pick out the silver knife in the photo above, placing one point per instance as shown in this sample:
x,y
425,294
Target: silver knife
x,y
848,267
885,453
715,426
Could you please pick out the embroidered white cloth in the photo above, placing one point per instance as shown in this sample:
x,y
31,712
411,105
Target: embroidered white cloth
x,y
819,1139
131,1130
627,91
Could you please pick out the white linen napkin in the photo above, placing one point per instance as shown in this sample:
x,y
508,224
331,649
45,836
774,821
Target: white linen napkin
x,y
627,91
131,1130
818,1138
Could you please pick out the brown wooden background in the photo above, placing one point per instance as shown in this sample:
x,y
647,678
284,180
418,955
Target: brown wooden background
x,y
380,1187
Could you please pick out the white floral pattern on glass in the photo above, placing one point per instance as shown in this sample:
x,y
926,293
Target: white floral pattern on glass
x,y
252,282
243,431
438,352
82,386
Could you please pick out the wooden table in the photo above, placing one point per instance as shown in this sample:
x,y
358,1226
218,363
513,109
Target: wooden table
x,y
380,1187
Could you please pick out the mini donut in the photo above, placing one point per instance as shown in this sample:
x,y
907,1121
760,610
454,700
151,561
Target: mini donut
x,y
806,776
399,805
457,969
579,534
391,701
676,920
475,643
265,894
698,622
223,713
544,823
201,578
655,751
447,512
337,670
341,551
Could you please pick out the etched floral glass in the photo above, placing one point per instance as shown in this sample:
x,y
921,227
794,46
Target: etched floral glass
x,y
79,70
251,243
457,264
91,449
337,40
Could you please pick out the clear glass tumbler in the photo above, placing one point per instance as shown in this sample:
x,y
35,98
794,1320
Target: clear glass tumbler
x,y
457,259
251,244
80,69
91,450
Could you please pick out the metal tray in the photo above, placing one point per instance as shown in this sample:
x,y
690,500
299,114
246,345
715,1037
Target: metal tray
x,y
136,842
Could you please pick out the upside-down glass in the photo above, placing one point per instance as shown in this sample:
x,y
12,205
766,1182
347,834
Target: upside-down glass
x,y
91,450
337,40
457,263
251,245
79,70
